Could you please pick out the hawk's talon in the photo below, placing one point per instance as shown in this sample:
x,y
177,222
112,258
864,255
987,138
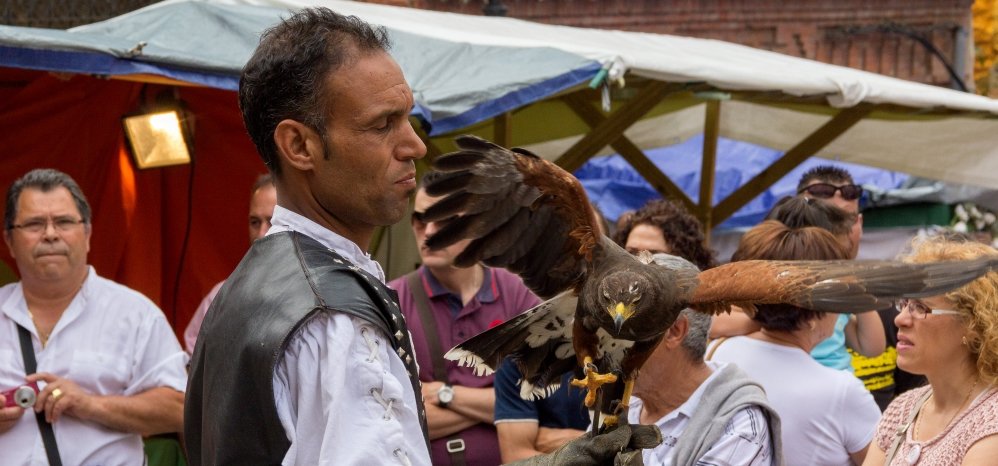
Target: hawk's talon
x,y
610,421
593,381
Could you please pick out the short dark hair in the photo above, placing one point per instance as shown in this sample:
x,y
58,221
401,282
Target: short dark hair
x,y
682,231
824,174
45,180
286,76
772,240
263,180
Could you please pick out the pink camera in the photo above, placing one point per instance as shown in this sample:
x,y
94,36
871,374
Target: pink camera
x,y
23,396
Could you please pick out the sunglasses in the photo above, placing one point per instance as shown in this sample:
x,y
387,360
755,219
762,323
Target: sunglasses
x,y
850,192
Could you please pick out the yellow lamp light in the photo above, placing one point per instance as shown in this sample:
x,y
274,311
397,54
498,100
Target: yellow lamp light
x,y
158,139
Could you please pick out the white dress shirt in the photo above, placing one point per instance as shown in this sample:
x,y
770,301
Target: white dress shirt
x,y
111,340
342,394
745,440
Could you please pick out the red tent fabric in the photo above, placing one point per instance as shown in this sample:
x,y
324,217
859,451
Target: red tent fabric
x,y
73,123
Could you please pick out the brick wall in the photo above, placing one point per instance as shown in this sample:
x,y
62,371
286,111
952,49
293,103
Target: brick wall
x,y
869,35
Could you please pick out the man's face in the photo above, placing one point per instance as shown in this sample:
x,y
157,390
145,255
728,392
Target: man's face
x,y
261,210
54,254
856,234
369,170
645,237
441,257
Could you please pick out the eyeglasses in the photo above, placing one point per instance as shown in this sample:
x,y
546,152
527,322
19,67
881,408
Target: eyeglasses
x,y
919,310
419,218
37,226
850,192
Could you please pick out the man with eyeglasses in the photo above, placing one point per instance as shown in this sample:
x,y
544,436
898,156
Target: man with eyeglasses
x,y
459,304
107,364
879,373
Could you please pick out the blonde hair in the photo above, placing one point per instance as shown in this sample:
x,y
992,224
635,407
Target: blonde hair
x,y
977,300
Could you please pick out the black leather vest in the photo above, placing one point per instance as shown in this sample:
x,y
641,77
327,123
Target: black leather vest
x,y
230,416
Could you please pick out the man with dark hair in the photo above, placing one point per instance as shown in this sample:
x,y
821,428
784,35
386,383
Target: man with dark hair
x,y
876,367
305,356
106,361
263,198
835,185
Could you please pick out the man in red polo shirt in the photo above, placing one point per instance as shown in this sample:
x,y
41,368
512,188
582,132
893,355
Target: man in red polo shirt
x,y
461,302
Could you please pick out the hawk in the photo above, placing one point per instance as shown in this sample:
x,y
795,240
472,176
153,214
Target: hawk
x,y
606,310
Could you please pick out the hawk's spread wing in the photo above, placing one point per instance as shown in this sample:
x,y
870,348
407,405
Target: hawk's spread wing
x,y
522,212
833,286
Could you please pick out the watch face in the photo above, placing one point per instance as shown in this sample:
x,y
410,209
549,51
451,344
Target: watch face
x,y
445,394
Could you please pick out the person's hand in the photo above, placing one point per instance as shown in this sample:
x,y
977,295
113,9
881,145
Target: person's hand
x,y
60,396
620,446
9,416
430,390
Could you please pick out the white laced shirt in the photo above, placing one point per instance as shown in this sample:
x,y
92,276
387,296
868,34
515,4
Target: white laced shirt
x,y
342,394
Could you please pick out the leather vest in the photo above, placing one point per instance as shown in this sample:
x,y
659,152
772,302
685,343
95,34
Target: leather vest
x,y
230,416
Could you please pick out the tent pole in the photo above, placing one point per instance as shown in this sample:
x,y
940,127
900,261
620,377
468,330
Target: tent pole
x,y
629,151
809,146
503,129
614,125
711,132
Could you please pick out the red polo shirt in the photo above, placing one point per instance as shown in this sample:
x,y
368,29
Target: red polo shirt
x,y
502,295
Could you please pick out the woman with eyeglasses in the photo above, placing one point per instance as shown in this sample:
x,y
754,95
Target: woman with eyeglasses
x,y
953,340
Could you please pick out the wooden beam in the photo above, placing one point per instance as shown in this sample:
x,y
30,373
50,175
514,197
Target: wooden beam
x,y
629,151
503,129
711,132
613,126
810,145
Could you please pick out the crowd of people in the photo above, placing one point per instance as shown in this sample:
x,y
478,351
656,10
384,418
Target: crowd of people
x,y
307,355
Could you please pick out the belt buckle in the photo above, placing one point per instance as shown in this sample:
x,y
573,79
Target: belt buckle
x,y
456,445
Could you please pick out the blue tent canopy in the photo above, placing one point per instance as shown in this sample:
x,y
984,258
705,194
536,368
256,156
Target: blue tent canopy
x,y
616,187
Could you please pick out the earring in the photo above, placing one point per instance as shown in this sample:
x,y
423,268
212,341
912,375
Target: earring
x,y
964,340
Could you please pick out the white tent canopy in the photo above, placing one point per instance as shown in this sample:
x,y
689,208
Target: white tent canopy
x,y
524,83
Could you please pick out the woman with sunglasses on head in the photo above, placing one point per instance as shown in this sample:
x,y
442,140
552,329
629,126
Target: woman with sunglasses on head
x,y
953,340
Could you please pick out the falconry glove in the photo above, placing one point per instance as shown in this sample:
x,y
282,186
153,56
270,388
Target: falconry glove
x,y
620,446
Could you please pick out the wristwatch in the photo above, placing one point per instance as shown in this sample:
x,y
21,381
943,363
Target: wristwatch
x,y
445,395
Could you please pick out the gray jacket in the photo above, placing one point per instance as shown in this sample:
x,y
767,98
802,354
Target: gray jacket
x,y
729,391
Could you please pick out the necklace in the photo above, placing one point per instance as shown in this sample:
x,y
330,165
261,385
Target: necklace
x,y
43,336
916,448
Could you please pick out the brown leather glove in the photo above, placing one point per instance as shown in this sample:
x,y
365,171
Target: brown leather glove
x,y
620,446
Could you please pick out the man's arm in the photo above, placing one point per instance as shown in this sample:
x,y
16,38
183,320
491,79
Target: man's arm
x,y
517,440
477,404
523,439
443,422
550,439
732,324
865,334
151,412
154,411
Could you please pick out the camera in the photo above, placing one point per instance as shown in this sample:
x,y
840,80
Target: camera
x,y
23,396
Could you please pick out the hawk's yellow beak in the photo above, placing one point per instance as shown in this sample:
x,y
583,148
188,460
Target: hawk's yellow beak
x,y
620,313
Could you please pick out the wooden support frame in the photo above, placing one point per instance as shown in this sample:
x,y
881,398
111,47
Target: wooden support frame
x,y
711,133
614,125
503,129
810,145
628,150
